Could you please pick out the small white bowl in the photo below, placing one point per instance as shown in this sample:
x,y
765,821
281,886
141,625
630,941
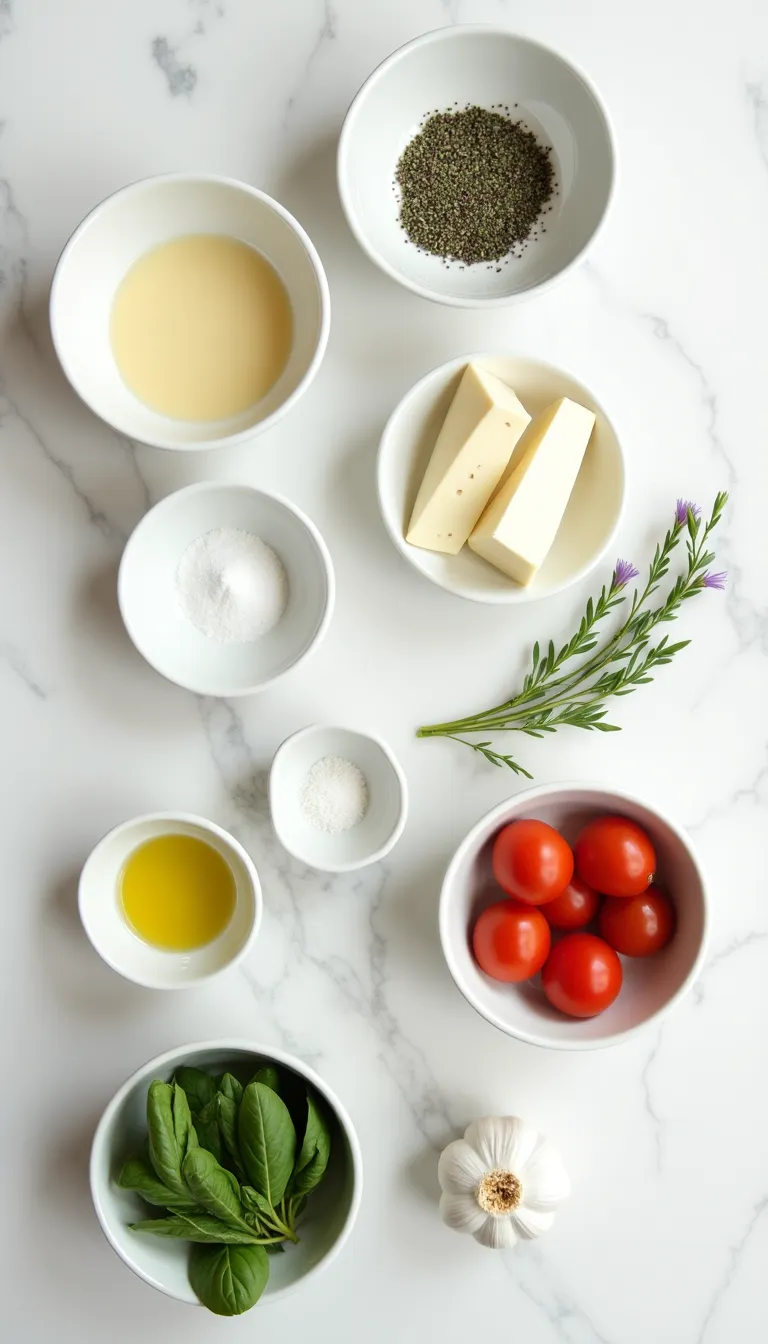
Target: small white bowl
x,y
652,985
162,1262
384,821
122,949
161,632
479,65
594,509
133,221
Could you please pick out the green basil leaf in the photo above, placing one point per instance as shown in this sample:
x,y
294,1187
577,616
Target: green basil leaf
x,y
163,1149
136,1174
228,1279
198,1227
267,1141
255,1203
228,1086
269,1076
228,1112
314,1153
183,1128
199,1087
215,1189
207,1127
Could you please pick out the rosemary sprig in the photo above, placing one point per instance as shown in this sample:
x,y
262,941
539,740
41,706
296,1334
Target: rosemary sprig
x,y
556,694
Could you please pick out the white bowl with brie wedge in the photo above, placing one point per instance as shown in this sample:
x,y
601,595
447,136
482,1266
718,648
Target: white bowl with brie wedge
x,y
501,478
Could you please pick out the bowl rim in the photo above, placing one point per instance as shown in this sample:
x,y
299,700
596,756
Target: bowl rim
x,y
216,180
274,1054
190,819
514,595
497,815
353,865
201,487
450,33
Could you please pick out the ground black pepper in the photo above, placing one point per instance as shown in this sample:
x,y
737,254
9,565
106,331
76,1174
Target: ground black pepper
x,y
472,184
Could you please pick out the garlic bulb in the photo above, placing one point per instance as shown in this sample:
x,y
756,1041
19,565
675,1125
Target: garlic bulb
x,y
501,1182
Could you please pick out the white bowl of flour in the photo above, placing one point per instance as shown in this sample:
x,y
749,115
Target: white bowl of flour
x,y
225,588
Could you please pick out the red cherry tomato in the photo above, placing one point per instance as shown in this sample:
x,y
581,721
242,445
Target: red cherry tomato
x,y
573,908
615,856
640,925
532,861
582,975
510,941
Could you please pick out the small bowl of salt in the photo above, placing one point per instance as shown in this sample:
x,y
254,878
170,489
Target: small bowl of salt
x,y
338,798
225,588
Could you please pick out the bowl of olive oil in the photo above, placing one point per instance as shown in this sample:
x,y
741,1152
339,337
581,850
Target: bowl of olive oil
x,y
170,900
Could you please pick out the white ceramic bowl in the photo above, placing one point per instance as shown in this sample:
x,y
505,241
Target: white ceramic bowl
x,y
331,1210
105,925
131,222
652,985
383,823
482,65
593,512
161,631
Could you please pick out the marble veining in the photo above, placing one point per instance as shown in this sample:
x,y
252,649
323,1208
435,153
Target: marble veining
x,y
666,1234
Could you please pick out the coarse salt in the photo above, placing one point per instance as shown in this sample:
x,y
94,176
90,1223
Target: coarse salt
x,y
231,586
334,797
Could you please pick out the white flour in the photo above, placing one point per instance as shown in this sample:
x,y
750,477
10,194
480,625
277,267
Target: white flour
x,y
231,586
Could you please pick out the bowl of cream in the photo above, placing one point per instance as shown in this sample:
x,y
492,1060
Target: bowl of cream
x,y
189,312
225,588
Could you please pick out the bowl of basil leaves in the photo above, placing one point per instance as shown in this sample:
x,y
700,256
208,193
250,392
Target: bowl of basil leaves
x,y
224,1173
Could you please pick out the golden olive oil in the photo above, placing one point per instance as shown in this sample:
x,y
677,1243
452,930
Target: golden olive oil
x,y
177,892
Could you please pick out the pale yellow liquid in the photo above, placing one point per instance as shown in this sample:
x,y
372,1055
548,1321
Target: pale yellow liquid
x,y
201,327
177,892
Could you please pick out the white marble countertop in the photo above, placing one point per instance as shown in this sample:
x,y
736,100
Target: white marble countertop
x,y
666,1235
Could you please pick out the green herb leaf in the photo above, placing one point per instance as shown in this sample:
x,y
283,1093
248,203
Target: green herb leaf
x,y
164,1151
136,1174
228,1111
199,1227
228,1086
183,1128
228,1279
207,1127
314,1153
269,1076
199,1087
256,1204
215,1189
267,1141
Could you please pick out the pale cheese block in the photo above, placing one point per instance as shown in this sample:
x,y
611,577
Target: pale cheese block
x,y
518,527
479,435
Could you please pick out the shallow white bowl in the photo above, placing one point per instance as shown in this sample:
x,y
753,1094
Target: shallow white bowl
x,y
331,1210
161,631
482,65
133,221
115,942
383,823
652,985
593,512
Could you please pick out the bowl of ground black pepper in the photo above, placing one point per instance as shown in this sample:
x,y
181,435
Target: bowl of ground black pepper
x,y
476,167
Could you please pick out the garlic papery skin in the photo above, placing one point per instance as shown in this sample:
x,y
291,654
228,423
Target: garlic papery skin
x,y
502,1182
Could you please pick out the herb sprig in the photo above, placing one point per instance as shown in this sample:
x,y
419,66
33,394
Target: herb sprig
x,y
556,694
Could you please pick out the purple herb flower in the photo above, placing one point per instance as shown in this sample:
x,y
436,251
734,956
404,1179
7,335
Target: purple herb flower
x,y
714,580
683,508
623,573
